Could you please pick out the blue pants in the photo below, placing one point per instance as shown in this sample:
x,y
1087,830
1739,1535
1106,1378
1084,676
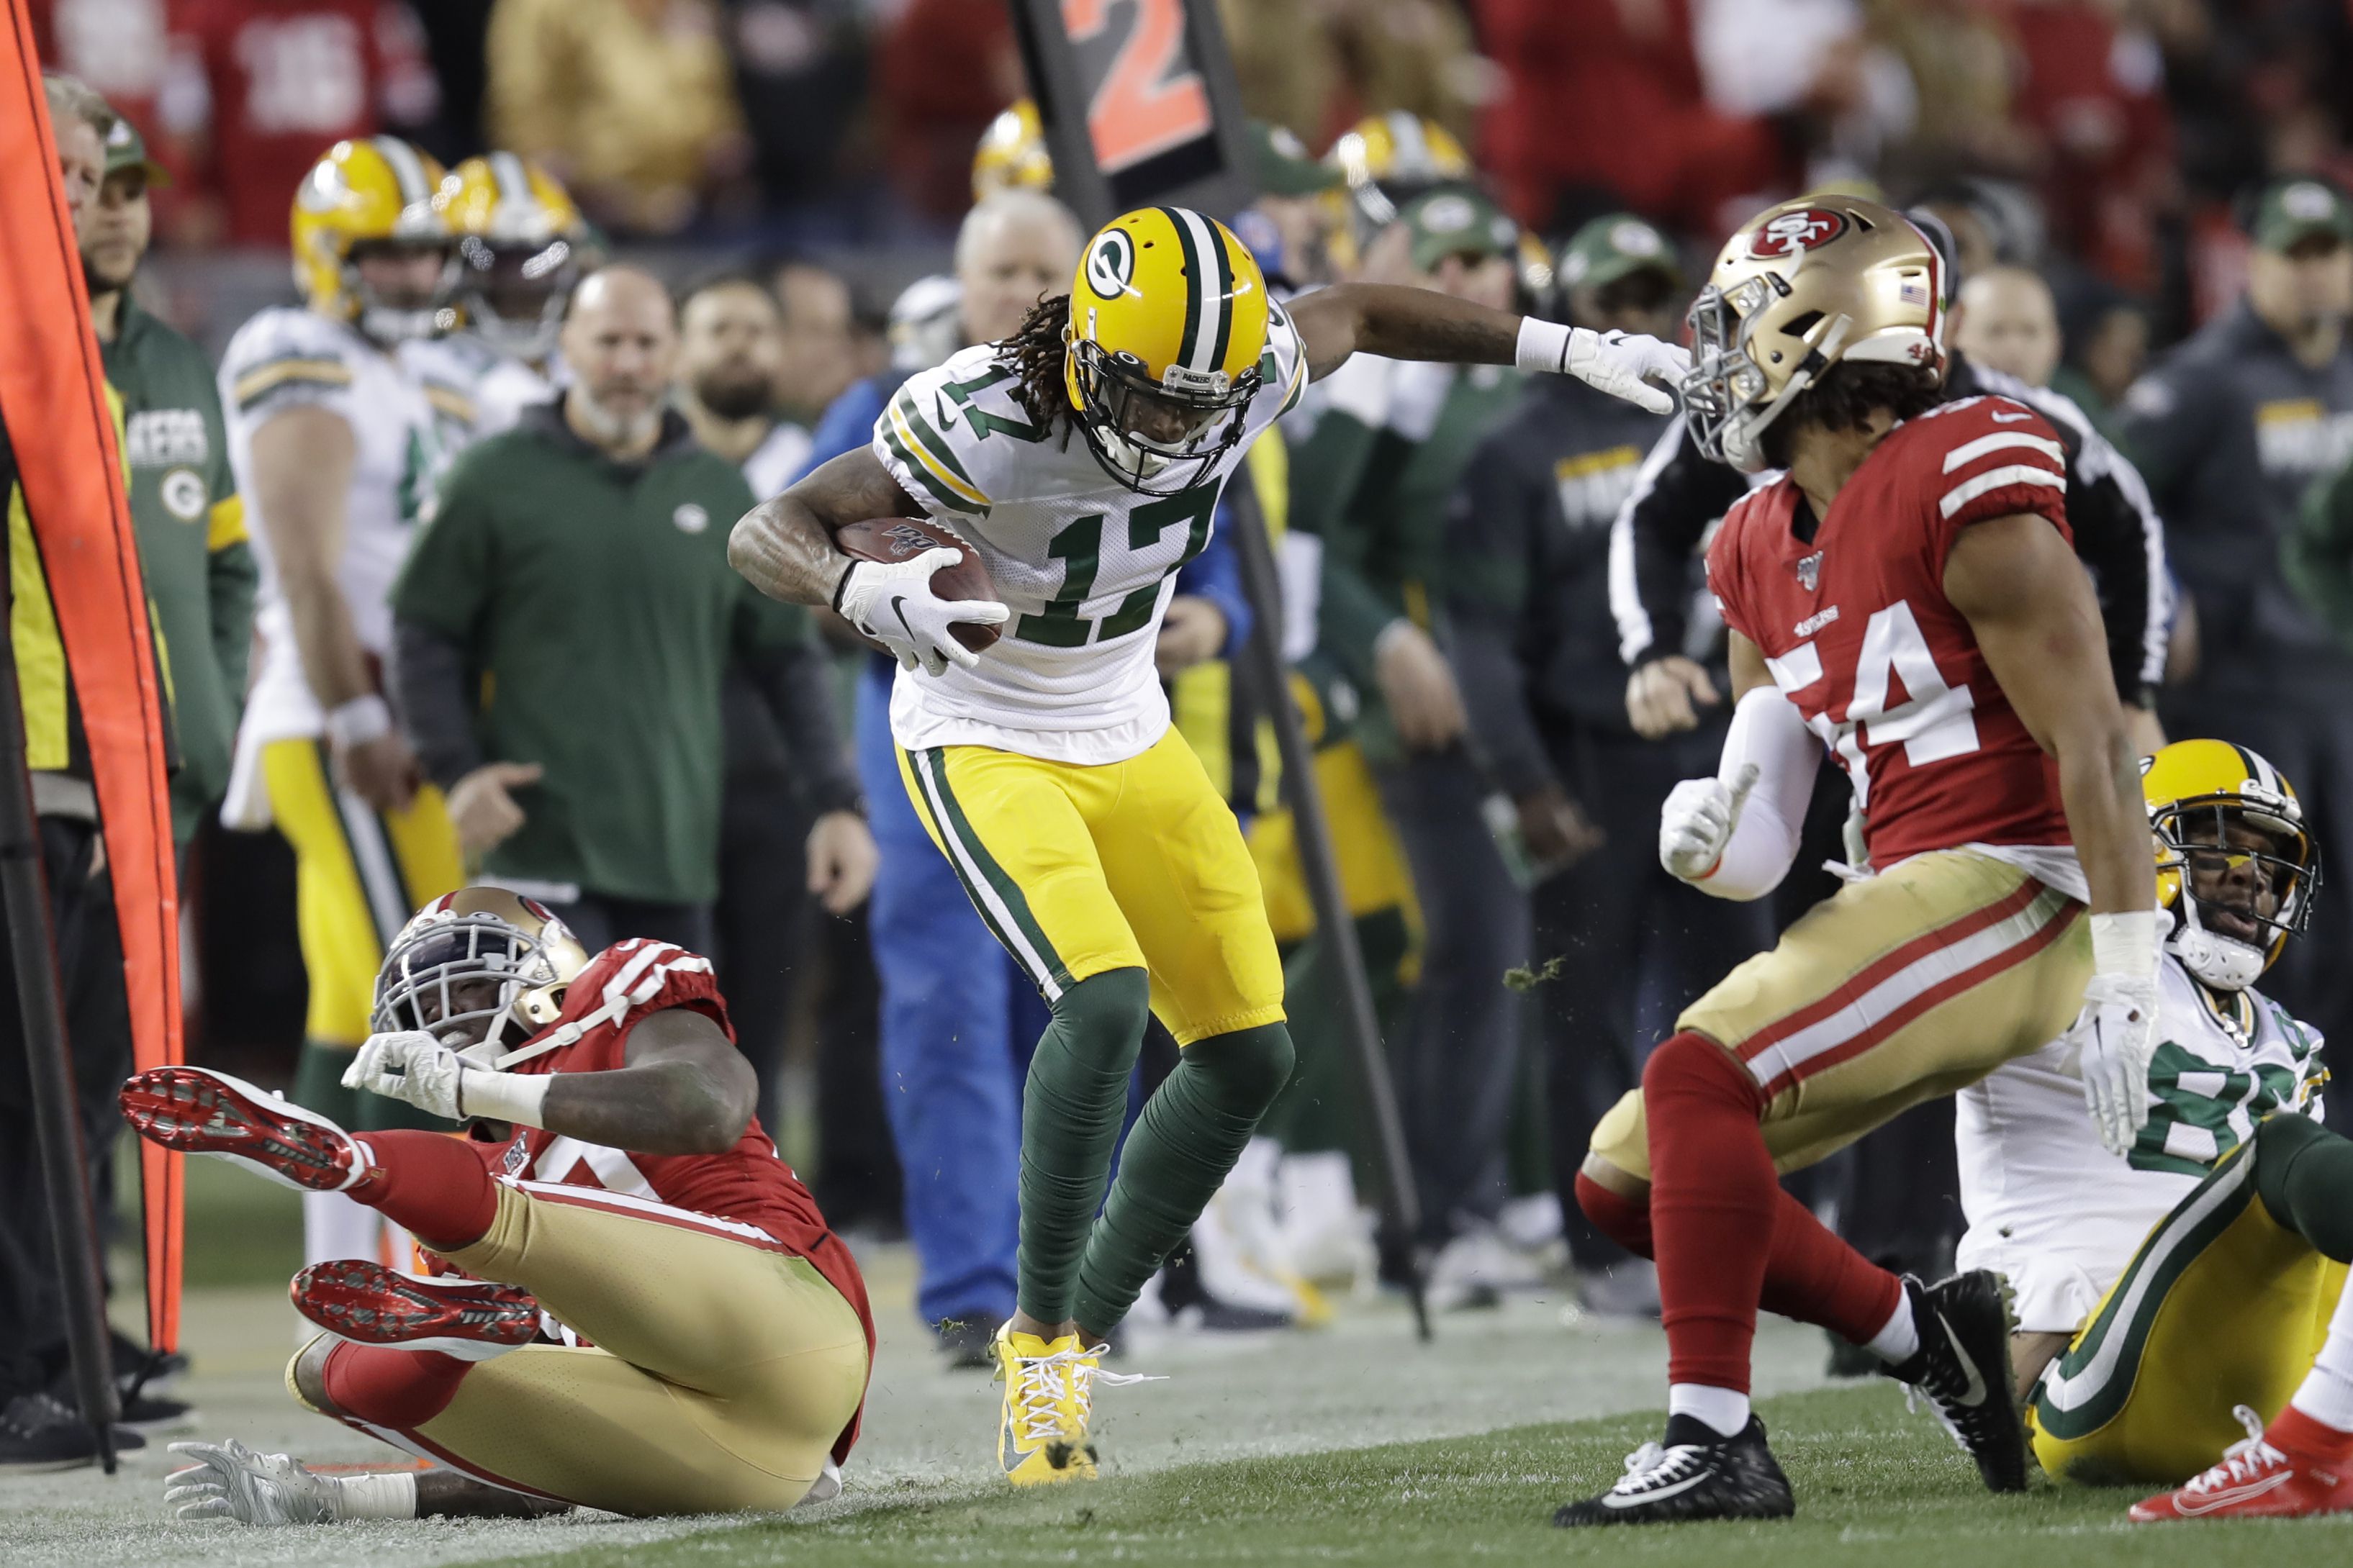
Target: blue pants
x,y
958,1023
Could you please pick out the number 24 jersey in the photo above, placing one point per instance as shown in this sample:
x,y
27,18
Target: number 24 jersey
x,y
1856,629
1086,565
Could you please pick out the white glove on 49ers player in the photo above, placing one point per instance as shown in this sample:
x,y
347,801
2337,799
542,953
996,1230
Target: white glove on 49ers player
x,y
895,605
2115,1037
411,1066
1698,820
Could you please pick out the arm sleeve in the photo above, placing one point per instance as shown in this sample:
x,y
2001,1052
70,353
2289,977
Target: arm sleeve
x,y
428,687
1677,494
1215,575
2317,553
1767,733
1493,524
795,677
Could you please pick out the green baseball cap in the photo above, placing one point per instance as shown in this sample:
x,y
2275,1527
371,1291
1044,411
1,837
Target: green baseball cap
x,y
1616,246
1457,220
2293,210
1285,166
126,149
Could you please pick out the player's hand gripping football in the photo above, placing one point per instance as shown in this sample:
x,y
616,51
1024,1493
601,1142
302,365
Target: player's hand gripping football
x,y
413,1067
1698,820
895,605
2114,1039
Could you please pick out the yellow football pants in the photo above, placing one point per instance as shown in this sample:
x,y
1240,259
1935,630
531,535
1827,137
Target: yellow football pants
x,y
1132,865
2220,1307
359,874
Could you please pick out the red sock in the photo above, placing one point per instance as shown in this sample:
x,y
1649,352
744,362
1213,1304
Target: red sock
x,y
434,1184
2293,1432
1624,1220
384,1387
1714,1202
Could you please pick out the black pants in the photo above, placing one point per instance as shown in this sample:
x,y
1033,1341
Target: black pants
x,y
1636,945
600,919
766,924
1458,1067
97,1031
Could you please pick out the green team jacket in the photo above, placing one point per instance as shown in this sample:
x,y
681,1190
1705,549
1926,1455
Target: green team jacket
x,y
2317,553
190,523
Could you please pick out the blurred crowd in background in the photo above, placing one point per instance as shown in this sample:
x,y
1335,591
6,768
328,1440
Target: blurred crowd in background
x,y
2141,201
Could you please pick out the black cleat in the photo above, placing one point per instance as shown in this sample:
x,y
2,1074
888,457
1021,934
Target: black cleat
x,y
1730,1477
1962,1369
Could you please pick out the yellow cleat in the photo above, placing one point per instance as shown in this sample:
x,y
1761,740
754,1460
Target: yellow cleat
x,y
1048,1400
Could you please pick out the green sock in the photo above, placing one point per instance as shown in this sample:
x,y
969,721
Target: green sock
x,y
1191,1133
2303,1172
1070,1111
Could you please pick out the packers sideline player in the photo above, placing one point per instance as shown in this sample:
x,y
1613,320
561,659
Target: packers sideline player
x,y
341,412
2168,1297
1084,458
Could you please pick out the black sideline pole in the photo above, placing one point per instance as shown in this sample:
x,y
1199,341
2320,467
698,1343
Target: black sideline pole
x,y
1262,663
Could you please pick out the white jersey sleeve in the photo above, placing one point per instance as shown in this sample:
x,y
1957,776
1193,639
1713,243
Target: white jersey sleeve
x,y
286,357
952,435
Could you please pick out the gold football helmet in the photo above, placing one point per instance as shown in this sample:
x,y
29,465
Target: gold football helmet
x,y
2199,792
1799,287
1012,155
1169,316
480,969
377,191
520,238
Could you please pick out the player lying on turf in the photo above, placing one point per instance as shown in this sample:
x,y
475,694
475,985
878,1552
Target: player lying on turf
x,y
1084,458
1905,596
645,1313
2202,1275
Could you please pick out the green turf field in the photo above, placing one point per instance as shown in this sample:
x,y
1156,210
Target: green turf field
x,y
1875,1485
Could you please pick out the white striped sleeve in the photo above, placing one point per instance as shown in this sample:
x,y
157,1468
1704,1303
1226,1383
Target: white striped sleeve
x,y
2006,460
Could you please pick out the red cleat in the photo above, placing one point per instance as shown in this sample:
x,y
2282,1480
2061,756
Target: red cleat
x,y
367,1303
2256,1481
199,1111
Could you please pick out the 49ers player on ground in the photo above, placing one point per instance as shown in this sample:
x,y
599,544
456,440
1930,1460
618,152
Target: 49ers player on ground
x,y
1906,593
648,1314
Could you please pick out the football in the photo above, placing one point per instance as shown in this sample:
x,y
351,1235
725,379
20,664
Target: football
x,y
890,540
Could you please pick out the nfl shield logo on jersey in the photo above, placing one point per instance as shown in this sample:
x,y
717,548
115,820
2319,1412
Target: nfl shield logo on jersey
x,y
1810,570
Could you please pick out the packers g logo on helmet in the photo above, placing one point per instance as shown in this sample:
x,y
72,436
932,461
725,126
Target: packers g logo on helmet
x,y
376,191
1169,317
2197,791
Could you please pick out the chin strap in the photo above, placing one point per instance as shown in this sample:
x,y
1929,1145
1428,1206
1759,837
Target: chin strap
x,y
2224,963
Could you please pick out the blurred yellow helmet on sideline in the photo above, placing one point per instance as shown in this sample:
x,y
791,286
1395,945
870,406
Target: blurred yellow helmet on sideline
x,y
375,191
1012,153
520,238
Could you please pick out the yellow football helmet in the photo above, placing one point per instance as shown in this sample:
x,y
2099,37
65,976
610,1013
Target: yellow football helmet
x,y
1387,158
520,238
378,192
481,968
1169,316
1012,155
1799,287
2198,792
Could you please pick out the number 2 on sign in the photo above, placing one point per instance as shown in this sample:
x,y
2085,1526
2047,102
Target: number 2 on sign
x,y
1150,99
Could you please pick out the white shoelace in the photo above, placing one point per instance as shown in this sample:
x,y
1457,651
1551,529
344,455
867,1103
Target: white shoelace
x,y
1651,1465
2242,1461
1041,1382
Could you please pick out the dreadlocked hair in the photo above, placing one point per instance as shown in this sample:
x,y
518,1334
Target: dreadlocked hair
x,y
1845,396
1036,353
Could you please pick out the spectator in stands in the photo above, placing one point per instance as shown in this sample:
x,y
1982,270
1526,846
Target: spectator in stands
x,y
943,70
630,102
2006,319
2105,336
2319,556
574,570
2231,427
813,341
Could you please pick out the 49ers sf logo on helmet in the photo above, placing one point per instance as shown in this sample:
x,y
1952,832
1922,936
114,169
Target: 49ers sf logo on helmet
x,y
1790,233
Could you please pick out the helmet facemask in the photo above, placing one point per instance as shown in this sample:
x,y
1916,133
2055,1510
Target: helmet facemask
x,y
391,323
478,983
514,292
1728,397
2225,936
1156,438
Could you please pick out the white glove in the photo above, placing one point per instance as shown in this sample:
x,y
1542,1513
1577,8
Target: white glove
x,y
410,1066
2114,1039
1623,365
895,605
1698,820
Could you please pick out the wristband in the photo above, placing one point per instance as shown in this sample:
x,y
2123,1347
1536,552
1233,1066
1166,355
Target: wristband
x,y
2124,944
358,722
502,1096
1543,345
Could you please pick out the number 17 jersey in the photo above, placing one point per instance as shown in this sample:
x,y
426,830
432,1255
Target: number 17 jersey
x,y
1086,565
1855,627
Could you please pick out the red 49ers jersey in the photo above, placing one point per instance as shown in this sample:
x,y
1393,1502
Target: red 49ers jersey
x,y
749,1184
1857,631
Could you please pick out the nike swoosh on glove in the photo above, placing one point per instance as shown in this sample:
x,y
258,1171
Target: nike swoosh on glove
x,y
895,605
410,1066
2114,1039
1698,820
1625,364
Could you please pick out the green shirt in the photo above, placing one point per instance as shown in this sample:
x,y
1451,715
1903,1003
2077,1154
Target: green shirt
x,y
2317,553
190,523
597,613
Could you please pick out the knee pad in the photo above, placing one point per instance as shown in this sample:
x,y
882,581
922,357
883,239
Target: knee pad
x,y
1246,1069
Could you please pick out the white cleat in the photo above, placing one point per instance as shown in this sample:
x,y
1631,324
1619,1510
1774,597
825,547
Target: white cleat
x,y
229,1480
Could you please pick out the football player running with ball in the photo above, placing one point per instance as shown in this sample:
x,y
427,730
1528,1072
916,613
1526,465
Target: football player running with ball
x,y
1905,596
1082,458
646,1313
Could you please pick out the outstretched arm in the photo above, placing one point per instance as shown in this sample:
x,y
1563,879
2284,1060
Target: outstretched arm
x,y
1419,323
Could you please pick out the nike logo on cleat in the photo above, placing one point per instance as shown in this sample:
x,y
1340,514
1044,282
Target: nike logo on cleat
x,y
1974,1393
2215,1500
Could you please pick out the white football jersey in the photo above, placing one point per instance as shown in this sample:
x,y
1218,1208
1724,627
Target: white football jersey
x,y
410,410
2052,1209
1086,565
